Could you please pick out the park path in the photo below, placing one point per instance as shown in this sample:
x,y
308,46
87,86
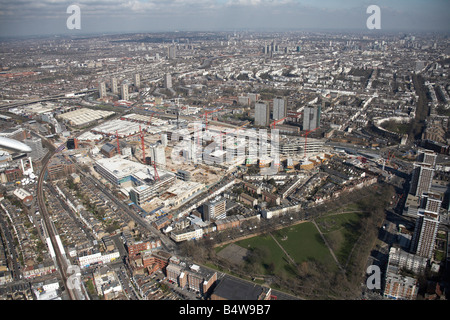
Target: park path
x,y
285,252
329,248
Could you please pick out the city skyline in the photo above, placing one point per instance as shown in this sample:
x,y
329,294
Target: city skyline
x,y
27,18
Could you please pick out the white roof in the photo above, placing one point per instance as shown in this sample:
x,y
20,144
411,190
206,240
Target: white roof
x,y
14,145
21,193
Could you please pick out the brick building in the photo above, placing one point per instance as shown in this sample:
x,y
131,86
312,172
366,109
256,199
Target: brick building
x,y
59,167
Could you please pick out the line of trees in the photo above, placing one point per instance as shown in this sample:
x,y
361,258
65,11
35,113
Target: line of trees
x,y
422,107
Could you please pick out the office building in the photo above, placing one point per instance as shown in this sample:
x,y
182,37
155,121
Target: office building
x,y
124,92
279,108
262,114
311,118
215,209
37,151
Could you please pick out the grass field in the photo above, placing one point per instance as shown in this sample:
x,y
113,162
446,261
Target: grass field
x,y
273,252
302,242
341,232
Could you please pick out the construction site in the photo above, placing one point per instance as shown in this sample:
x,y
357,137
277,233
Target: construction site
x,y
135,154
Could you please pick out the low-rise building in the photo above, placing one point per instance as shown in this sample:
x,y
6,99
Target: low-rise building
x,y
23,195
400,287
190,233
248,200
86,260
231,289
107,283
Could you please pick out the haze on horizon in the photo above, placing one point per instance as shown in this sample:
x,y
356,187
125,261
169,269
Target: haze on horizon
x,y
48,17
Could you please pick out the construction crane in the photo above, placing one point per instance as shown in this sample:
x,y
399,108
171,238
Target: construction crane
x,y
142,144
306,139
143,153
177,100
118,144
156,172
151,116
206,116
272,125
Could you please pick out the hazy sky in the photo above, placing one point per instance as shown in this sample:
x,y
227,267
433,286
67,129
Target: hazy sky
x,y
34,17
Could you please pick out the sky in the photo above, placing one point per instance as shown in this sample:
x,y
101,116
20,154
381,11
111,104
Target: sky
x,y
49,17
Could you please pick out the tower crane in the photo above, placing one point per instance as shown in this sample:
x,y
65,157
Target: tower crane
x,y
143,153
118,144
273,124
206,116
306,139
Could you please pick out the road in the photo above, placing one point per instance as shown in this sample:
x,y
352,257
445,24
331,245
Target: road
x,y
55,97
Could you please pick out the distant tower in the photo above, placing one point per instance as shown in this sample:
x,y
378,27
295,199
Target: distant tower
x,y
124,92
137,80
102,90
279,108
262,114
167,81
114,87
311,118
172,52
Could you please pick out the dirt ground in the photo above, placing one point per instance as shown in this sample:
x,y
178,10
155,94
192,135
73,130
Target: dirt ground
x,y
233,253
